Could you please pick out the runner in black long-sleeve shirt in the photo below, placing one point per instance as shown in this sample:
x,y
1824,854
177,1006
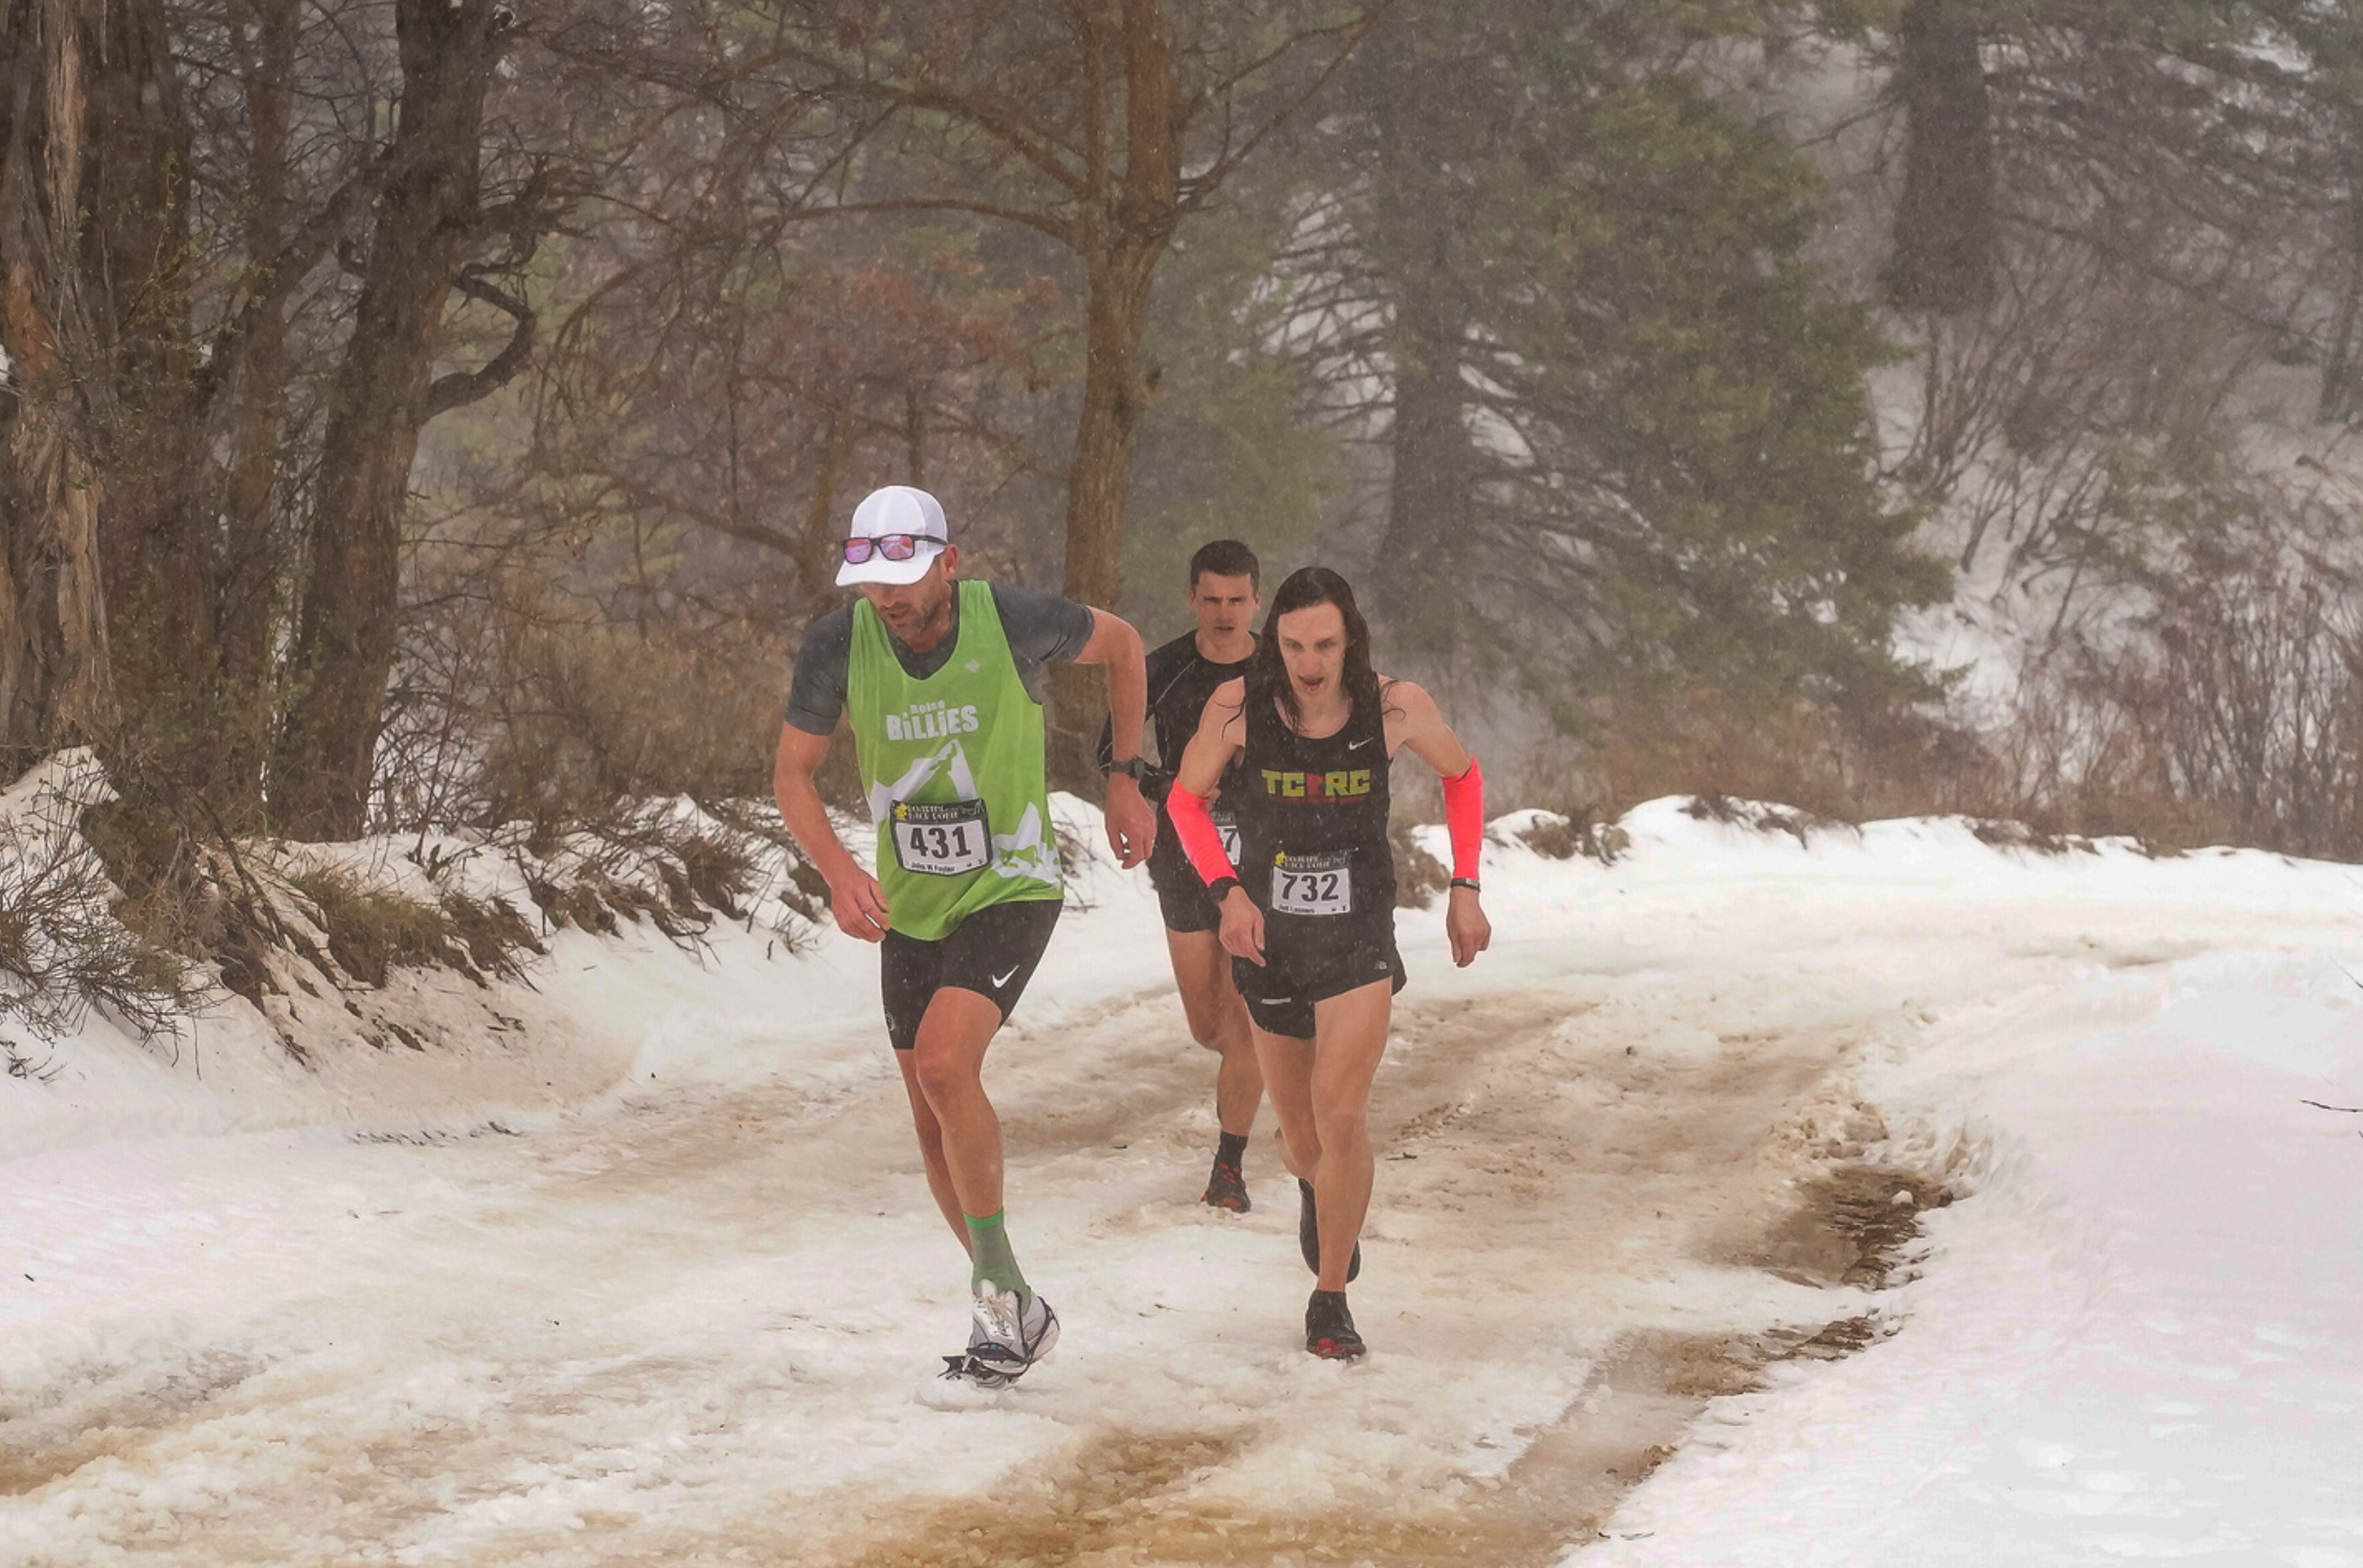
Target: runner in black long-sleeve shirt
x,y
1181,675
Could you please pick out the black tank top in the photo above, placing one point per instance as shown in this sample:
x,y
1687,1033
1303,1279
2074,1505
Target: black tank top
x,y
1312,825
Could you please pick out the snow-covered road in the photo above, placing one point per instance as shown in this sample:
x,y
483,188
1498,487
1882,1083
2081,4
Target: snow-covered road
x,y
686,1320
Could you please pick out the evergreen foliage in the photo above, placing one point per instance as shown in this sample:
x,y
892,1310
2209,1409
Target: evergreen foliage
x,y
1581,274
1228,451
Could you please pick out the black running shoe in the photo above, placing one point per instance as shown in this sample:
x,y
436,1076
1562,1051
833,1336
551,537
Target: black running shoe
x,y
1308,1236
1226,1188
1329,1327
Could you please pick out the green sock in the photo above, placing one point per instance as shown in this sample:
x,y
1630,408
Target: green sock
x,y
989,1254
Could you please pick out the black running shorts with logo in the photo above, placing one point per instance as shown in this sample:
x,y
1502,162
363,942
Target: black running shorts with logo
x,y
992,953
1280,992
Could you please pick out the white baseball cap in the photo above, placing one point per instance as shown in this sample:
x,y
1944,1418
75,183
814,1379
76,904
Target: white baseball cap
x,y
895,512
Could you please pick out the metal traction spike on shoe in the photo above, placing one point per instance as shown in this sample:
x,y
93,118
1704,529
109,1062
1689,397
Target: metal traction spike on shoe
x,y
965,1368
1008,1333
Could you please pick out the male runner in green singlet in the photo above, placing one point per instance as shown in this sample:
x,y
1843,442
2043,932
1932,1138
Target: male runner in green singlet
x,y
942,681
1225,593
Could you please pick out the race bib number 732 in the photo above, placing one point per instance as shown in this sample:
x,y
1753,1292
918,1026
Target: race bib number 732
x,y
1313,884
942,839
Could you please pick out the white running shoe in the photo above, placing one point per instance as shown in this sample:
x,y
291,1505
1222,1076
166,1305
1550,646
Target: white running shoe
x,y
1008,1333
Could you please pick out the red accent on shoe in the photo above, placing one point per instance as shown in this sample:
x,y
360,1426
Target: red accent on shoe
x,y
1232,1195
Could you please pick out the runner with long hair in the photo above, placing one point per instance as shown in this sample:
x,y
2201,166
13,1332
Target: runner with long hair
x,y
1308,909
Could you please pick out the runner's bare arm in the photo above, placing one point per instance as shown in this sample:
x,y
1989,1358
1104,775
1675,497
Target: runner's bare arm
x,y
1222,730
1115,646
1414,722
855,898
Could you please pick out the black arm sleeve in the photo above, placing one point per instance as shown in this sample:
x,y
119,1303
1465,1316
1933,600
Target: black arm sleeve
x,y
816,695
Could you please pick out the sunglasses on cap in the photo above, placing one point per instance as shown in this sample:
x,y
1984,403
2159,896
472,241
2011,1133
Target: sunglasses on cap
x,y
888,547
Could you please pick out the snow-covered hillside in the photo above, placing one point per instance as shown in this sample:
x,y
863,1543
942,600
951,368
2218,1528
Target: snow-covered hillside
x,y
651,1275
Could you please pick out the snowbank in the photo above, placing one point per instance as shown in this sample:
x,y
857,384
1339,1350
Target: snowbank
x,y
338,1312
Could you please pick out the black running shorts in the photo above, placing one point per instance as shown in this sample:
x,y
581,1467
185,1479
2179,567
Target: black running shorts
x,y
1182,896
1280,992
992,953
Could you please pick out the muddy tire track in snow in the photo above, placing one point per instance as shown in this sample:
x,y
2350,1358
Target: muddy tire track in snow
x,y
1718,1155
1653,1134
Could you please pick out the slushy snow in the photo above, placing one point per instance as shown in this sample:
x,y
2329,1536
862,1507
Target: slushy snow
x,y
636,1264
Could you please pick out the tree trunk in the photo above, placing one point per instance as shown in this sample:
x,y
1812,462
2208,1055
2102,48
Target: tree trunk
x,y
245,585
54,660
2336,398
1115,394
1946,243
1121,240
1431,495
348,625
154,524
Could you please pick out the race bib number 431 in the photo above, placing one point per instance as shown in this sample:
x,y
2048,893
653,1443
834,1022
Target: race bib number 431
x,y
942,840
1313,884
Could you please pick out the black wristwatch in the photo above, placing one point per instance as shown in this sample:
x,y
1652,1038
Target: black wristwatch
x,y
1134,768
1220,888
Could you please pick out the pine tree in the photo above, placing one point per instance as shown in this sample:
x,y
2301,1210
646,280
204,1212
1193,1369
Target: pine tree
x,y
1626,414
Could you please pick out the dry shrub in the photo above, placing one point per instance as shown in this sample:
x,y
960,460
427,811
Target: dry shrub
x,y
1577,831
1419,876
715,874
1877,752
1758,815
372,931
166,897
2006,833
194,892
674,870
62,949
492,932
532,710
600,715
2231,713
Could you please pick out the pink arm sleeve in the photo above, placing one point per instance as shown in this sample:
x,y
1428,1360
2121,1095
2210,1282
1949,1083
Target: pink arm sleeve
x,y
1194,826
1464,816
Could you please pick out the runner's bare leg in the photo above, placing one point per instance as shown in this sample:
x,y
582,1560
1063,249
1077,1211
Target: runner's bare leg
x,y
931,1147
1287,1063
1218,1020
946,1069
1349,1035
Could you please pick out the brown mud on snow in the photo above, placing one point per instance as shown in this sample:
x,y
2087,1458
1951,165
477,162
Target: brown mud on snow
x,y
104,1416
1544,1129
1559,1165
1117,1504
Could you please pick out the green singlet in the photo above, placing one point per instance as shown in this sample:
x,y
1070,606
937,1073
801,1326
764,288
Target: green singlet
x,y
953,768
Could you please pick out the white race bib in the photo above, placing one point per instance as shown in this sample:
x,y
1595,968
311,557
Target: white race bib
x,y
942,840
1313,884
1228,828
